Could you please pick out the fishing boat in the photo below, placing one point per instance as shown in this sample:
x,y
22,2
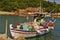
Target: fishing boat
x,y
34,30
26,33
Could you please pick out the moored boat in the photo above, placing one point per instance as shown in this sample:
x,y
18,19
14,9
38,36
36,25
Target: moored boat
x,y
30,33
39,26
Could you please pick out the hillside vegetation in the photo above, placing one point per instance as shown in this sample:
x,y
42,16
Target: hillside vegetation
x,y
12,5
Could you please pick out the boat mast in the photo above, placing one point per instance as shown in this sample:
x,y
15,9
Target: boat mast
x,y
40,8
27,18
54,11
54,4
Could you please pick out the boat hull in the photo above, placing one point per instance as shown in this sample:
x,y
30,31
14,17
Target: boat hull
x,y
16,33
25,33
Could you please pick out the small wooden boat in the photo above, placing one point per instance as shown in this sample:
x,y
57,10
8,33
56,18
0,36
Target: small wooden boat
x,y
26,33
38,29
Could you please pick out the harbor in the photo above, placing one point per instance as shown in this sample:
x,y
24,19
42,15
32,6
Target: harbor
x,y
56,15
29,20
53,34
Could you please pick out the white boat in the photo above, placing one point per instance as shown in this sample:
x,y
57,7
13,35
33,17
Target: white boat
x,y
25,33
38,31
16,33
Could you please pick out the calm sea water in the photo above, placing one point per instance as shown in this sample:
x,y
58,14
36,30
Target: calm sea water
x,y
53,35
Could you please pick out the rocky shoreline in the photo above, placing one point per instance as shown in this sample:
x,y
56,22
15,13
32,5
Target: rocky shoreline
x,y
21,14
57,15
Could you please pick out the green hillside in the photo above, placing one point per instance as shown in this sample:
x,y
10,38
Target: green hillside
x,y
11,5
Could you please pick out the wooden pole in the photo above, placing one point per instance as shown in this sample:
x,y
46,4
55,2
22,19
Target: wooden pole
x,y
15,18
6,27
27,18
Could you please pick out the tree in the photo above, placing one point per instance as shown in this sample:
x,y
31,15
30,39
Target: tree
x,y
12,5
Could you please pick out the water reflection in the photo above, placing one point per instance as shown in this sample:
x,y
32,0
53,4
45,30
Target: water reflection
x,y
48,36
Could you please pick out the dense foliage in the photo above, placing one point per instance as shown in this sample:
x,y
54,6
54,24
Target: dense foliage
x,y
11,5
